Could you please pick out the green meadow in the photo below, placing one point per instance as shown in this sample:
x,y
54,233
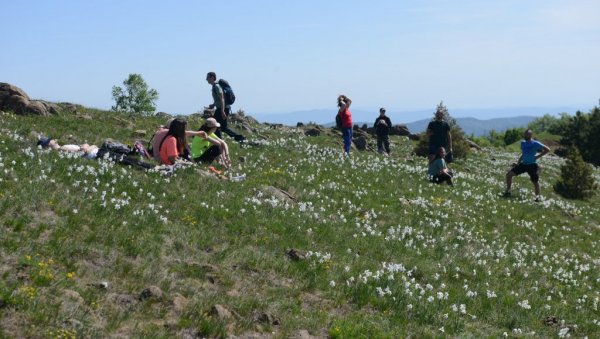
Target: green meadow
x,y
90,248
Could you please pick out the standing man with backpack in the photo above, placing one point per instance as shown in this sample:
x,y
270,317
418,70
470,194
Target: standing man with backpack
x,y
382,129
223,98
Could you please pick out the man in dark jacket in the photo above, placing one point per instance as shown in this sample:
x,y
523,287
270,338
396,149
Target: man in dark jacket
x,y
438,132
382,129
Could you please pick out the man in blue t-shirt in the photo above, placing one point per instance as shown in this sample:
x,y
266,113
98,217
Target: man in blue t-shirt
x,y
531,150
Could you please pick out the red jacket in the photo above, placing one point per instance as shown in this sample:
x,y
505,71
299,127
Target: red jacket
x,y
346,118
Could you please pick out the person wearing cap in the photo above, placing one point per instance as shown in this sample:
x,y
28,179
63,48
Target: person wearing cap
x,y
382,129
209,147
161,134
222,110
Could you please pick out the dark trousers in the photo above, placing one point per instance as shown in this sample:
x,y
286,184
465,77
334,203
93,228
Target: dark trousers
x,y
383,143
209,155
224,128
444,177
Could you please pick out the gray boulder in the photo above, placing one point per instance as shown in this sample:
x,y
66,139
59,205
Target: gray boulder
x,y
12,98
360,143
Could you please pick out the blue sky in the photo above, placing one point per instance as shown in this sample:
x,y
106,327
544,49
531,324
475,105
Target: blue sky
x,y
283,56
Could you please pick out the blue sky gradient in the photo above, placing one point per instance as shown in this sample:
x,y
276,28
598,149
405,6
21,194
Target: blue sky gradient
x,y
283,56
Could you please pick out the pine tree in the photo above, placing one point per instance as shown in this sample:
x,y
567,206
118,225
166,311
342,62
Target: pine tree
x,y
576,180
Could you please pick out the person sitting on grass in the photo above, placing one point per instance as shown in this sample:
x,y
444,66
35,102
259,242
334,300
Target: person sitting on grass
x,y
174,145
531,151
209,147
161,134
438,170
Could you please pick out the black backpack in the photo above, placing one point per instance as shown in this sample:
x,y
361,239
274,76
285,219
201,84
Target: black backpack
x,y
114,148
228,94
338,121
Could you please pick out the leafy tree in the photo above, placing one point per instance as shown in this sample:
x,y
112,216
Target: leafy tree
x,y
136,98
513,134
582,132
460,147
549,123
576,180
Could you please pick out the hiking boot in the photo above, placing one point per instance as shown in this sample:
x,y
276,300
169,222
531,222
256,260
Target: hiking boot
x,y
506,194
538,199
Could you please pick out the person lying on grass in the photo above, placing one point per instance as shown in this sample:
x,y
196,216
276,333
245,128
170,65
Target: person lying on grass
x,y
438,170
209,147
88,151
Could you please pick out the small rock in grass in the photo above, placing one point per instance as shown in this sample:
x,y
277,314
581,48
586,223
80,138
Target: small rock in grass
x,y
295,254
152,292
268,319
101,285
221,312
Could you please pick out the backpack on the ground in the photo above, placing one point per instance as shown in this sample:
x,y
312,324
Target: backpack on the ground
x,y
113,147
122,154
228,94
139,148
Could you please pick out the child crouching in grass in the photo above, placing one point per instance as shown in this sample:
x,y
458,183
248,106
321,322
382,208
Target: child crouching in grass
x,y
438,170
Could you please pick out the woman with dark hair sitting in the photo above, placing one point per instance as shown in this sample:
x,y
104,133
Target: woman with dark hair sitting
x,y
174,144
209,147
438,170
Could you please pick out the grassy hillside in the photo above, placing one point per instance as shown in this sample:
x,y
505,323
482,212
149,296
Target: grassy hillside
x,y
89,248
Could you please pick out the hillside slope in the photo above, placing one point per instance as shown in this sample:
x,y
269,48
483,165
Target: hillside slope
x,y
94,249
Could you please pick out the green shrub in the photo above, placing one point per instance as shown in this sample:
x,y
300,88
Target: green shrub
x,y
582,132
513,134
576,180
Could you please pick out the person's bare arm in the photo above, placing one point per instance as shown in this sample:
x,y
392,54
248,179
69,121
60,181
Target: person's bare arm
x,y
195,133
347,101
544,151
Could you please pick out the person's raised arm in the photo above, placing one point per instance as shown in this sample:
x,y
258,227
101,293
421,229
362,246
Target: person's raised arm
x,y
543,152
347,101
195,133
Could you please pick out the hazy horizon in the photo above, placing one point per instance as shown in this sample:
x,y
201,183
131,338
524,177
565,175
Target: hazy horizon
x,y
301,55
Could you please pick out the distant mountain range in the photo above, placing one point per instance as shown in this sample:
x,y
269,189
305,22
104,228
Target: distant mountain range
x,y
472,121
476,126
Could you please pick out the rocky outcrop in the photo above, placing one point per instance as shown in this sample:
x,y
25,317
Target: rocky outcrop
x,y
14,99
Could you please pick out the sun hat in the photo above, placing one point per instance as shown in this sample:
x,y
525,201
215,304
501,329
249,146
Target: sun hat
x,y
212,122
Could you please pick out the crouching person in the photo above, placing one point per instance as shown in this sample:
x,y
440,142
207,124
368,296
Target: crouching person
x,y
438,170
208,147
